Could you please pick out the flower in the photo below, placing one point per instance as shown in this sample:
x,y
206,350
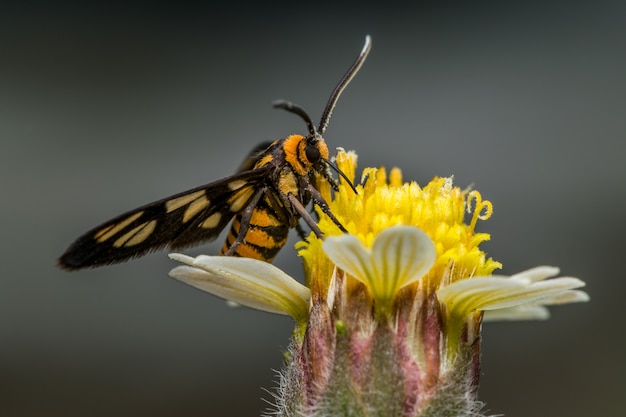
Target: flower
x,y
245,281
390,318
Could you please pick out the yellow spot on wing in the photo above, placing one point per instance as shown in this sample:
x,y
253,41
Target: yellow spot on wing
x,y
212,221
236,184
137,235
183,200
240,198
110,231
195,207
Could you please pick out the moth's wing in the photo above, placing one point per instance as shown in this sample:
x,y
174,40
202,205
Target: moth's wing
x,y
254,156
182,220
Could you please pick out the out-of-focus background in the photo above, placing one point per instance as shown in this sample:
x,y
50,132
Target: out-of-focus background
x,y
106,107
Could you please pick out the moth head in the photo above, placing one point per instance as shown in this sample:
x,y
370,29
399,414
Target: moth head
x,y
315,149
305,153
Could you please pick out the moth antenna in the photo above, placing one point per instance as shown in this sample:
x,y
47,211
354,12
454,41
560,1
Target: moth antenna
x,y
294,108
356,65
340,172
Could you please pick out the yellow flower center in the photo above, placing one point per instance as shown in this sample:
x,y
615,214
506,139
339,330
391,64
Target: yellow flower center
x,y
439,209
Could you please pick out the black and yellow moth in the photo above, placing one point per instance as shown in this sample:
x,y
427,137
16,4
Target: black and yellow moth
x,y
264,200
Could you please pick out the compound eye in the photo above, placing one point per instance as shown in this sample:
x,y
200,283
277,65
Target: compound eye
x,y
312,153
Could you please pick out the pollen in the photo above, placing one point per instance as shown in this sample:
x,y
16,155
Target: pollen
x,y
445,212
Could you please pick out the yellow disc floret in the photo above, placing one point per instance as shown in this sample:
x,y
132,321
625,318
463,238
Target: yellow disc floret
x,y
439,209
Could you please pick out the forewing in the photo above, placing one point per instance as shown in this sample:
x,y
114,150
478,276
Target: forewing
x,y
182,220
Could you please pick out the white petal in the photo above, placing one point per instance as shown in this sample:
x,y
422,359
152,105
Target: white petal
x,y
245,281
566,297
399,256
500,292
402,255
537,273
532,293
536,310
348,253
523,312
473,293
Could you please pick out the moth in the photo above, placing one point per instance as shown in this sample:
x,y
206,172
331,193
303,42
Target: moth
x,y
264,200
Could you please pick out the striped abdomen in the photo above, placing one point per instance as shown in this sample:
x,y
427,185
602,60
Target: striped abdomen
x,y
265,236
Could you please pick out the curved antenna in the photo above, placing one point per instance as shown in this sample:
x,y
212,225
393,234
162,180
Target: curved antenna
x,y
340,172
294,108
356,65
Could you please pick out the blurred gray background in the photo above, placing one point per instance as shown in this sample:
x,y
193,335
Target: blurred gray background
x,y
107,107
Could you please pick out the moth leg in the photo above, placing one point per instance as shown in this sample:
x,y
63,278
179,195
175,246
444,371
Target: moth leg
x,y
297,204
334,183
244,222
319,200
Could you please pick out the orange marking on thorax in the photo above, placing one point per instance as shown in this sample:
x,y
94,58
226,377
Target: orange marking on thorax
x,y
291,147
